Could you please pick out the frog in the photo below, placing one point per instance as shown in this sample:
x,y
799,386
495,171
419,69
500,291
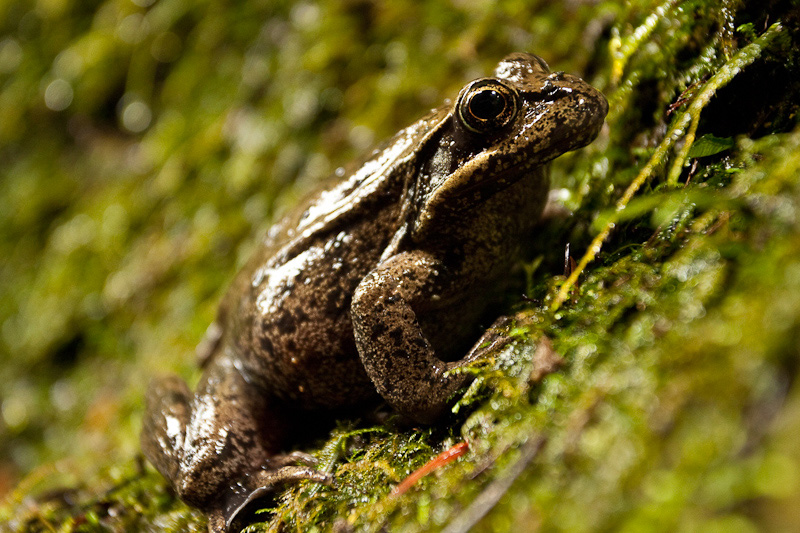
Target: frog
x,y
371,290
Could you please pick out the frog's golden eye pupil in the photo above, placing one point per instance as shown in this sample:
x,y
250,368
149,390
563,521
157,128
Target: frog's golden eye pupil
x,y
487,104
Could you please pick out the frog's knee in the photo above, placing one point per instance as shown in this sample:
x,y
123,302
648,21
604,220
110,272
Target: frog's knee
x,y
169,445
199,483
166,414
166,394
164,425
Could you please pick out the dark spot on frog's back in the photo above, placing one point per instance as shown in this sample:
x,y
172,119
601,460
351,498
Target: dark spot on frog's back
x,y
334,302
299,316
266,344
286,323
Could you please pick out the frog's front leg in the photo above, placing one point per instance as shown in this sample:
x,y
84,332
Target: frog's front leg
x,y
218,447
394,350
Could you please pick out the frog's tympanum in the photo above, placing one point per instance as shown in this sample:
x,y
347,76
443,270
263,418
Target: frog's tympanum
x,y
370,289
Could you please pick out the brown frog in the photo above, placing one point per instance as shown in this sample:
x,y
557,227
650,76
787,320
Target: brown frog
x,y
371,288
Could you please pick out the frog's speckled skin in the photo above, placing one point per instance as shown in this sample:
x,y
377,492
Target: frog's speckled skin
x,y
369,288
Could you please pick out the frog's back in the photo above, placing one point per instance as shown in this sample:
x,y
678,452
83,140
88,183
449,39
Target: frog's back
x,y
380,179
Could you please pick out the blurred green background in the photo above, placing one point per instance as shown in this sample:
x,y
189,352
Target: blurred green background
x,y
145,143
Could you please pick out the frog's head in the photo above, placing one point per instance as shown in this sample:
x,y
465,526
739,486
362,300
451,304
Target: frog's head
x,y
500,130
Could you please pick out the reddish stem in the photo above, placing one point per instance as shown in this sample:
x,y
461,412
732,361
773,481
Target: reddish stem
x,y
447,456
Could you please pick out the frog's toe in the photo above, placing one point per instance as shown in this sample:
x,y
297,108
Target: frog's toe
x,y
293,458
261,484
496,338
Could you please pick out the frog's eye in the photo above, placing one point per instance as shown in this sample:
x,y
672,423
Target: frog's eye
x,y
487,105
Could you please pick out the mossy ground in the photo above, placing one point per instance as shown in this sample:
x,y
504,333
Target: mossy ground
x,y
144,144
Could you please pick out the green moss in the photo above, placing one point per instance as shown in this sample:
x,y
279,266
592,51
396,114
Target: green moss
x,y
143,145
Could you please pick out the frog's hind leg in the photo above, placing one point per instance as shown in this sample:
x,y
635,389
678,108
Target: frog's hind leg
x,y
218,447
203,442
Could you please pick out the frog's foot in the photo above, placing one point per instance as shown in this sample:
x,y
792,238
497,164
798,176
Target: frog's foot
x,y
492,341
259,484
291,458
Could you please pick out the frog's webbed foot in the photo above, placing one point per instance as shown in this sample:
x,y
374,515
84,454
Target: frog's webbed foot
x,y
260,484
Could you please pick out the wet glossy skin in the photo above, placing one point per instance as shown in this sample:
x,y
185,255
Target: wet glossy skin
x,y
372,288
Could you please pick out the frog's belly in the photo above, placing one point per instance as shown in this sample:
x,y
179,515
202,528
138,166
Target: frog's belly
x,y
297,338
